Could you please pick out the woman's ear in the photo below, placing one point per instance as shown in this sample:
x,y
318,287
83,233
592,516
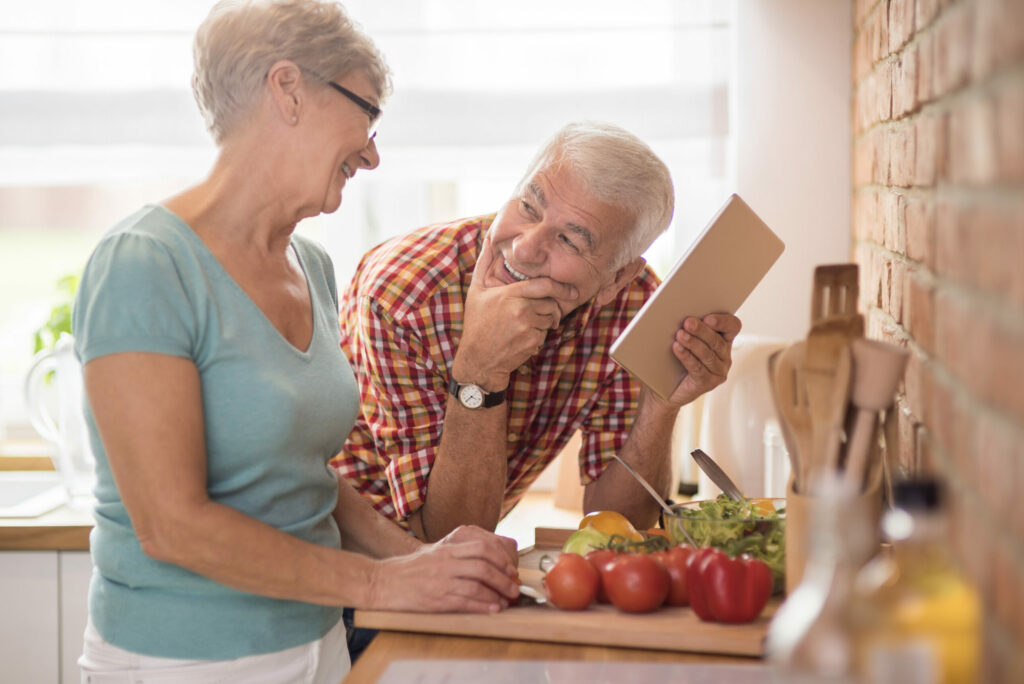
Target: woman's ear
x,y
623,277
284,81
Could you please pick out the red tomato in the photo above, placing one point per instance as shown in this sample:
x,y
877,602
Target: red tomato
x,y
674,561
600,558
636,583
572,582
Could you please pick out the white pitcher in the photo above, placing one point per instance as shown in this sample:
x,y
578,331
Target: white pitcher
x,y
73,457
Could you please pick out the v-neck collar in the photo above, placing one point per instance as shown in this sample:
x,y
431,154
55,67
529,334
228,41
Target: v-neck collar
x,y
193,237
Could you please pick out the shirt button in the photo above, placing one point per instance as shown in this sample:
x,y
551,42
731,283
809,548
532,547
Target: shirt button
x,y
512,436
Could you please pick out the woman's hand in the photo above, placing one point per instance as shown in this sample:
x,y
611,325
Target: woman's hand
x,y
470,571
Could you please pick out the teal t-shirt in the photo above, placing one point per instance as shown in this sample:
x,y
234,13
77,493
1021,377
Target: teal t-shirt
x,y
274,416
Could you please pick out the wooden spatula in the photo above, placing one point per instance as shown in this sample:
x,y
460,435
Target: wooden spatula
x,y
836,289
834,323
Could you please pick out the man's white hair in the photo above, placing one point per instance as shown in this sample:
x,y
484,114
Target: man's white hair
x,y
615,167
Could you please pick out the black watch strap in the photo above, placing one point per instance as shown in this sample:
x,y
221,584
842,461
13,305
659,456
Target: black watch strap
x,y
490,399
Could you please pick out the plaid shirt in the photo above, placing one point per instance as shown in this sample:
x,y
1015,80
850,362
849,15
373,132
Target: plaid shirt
x,y
401,321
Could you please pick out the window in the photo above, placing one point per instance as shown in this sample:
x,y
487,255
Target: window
x,y
98,118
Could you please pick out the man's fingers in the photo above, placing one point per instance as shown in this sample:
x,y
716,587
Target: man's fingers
x,y
545,288
727,325
483,263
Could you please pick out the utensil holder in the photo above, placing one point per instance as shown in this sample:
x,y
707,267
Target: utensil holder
x,y
800,510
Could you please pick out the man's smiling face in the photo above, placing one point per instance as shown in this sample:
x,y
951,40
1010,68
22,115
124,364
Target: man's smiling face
x,y
553,228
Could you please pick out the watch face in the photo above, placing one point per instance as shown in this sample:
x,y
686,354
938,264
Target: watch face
x,y
471,396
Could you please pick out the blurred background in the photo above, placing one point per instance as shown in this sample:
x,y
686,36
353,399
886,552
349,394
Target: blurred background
x,y
97,118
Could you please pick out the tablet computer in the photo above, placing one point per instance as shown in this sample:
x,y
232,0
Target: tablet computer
x,y
716,274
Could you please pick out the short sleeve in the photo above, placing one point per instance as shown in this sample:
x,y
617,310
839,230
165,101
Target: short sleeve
x,y
606,429
132,298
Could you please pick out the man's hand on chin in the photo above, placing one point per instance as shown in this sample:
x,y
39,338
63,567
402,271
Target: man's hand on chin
x,y
504,324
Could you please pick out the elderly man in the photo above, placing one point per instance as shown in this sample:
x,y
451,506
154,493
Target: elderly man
x,y
481,346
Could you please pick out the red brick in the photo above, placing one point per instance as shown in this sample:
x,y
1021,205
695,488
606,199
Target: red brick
x,y
863,159
888,213
1006,585
913,385
879,33
925,68
996,241
925,454
897,276
883,101
924,13
861,10
861,62
995,447
999,368
920,230
895,224
958,334
865,214
880,277
973,155
951,242
901,23
930,148
1016,476
873,98
919,310
952,49
974,539
904,85
998,35
882,143
902,156
1009,104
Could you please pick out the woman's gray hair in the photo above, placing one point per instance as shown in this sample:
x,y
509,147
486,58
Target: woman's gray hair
x,y
617,168
241,39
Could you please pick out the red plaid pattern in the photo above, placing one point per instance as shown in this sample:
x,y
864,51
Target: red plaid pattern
x,y
401,321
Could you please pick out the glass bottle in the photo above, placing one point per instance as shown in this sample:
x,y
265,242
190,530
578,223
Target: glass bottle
x,y
809,639
916,619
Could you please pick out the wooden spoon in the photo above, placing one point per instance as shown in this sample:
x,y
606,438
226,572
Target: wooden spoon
x,y
794,411
787,436
877,370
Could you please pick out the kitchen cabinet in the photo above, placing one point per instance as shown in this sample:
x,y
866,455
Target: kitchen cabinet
x,y
44,599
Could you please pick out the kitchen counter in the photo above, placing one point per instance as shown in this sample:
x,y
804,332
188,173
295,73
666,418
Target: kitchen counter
x,y
63,529
392,647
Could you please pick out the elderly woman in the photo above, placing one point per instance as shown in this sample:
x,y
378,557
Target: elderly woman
x,y
216,389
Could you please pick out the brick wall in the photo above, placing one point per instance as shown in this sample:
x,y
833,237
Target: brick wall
x,y
938,231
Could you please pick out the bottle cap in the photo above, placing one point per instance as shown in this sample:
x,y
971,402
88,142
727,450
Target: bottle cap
x,y
918,493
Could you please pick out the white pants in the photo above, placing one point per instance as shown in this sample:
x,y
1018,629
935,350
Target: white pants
x,y
324,661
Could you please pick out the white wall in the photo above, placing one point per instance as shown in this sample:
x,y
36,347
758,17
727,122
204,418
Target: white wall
x,y
791,124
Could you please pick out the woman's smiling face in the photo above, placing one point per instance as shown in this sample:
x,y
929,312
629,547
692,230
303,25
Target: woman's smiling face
x,y
346,145
553,228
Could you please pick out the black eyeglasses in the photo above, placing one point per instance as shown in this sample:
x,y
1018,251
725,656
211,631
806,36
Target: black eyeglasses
x,y
372,110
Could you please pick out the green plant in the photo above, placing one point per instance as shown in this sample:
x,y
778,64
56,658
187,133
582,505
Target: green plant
x,y
60,316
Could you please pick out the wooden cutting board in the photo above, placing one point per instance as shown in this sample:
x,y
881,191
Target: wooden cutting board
x,y
667,629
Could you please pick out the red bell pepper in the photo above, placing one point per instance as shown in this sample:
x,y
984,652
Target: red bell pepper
x,y
723,589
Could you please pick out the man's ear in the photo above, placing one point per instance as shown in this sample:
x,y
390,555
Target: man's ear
x,y
623,277
283,80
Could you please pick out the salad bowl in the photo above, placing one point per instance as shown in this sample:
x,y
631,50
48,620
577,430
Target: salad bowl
x,y
753,526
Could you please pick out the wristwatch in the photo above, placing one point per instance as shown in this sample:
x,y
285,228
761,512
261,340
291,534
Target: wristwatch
x,y
473,396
